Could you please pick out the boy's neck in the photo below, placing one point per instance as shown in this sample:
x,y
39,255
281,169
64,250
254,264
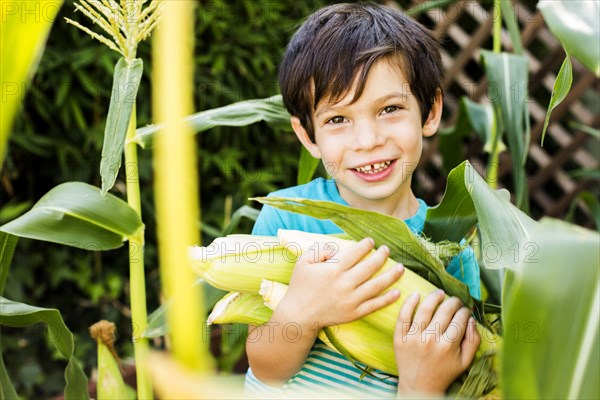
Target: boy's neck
x,y
401,205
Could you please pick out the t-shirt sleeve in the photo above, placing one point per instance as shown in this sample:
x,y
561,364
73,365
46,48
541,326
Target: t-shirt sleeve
x,y
255,387
464,267
268,222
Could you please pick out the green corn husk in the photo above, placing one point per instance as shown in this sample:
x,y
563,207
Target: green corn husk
x,y
241,308
110,381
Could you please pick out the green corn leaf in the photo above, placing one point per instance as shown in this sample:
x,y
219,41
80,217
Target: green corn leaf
x,y
306,167
585,128
508,79
562,85
576,25
552,318
7,390
157,321
7,248
270,110
76,214
482,118
23,42
8,243
126,82
242,212
13,209
21,315
591,201
505,229
586,173
456,214
468,200
508,15
405,247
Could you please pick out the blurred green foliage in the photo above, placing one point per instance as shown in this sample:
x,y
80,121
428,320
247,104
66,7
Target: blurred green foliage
x,y
58,138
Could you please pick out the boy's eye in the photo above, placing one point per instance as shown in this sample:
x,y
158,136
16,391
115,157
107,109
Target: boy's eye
x,y
390,109
336,120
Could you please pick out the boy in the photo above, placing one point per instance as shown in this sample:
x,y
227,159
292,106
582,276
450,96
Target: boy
x,y
362,83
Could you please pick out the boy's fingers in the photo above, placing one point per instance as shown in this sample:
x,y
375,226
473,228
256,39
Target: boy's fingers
x,y
320,252
313,255
427,308
350,256
455,331
445,314
369,265
470,343
378,284
404,321
376,303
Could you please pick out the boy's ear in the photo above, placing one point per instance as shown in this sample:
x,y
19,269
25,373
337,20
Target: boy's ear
x,y
435,115
302,135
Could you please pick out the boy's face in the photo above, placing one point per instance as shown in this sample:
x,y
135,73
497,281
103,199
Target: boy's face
x,y
372,146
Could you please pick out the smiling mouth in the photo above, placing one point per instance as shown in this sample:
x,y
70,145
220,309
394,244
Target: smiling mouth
x,y
373,168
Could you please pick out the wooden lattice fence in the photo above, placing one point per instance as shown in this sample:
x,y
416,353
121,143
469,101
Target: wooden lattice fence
x,y
464,28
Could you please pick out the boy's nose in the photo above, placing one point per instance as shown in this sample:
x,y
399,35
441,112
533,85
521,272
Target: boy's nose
x,y
367,135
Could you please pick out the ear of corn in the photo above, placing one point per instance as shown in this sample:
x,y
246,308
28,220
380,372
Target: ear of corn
x,y
368,340
110,381
238,263
384,319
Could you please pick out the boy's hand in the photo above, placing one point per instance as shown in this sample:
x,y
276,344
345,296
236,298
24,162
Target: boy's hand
x,y
330,287
436,346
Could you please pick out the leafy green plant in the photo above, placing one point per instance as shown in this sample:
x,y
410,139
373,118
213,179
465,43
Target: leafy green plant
x,y
20,315
582,43
551,317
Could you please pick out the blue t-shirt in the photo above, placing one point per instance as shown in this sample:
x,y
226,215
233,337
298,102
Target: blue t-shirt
x,y
326,369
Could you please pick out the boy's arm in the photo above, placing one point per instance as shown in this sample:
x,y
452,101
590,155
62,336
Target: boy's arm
x,y
435,346
279,348
326,288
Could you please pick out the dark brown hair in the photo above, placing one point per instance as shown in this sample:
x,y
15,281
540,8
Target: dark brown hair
x,y
340,41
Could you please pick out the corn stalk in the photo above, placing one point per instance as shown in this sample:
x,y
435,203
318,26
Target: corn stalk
x,y
125,25
492,168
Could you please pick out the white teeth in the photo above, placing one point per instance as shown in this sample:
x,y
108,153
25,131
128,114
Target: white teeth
x,y
374,168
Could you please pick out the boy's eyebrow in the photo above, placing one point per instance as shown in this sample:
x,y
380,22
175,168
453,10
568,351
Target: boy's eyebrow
x,y
403,95
394,95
